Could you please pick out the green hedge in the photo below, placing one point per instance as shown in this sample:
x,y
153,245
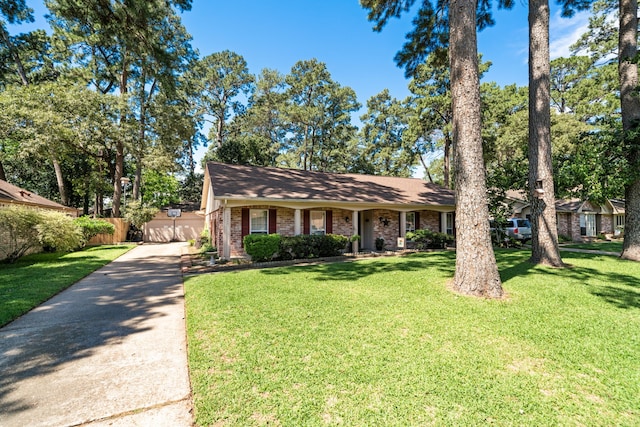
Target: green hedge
x,y
427,239
263,247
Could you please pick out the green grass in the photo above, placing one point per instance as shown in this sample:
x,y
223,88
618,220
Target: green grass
x,y
597,246
383,342
35,278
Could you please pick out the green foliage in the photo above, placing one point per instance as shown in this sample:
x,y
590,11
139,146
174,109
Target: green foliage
x,y
383,146
427,239
312,246
59,232
18,231
92,227
262,247
160,189
138,214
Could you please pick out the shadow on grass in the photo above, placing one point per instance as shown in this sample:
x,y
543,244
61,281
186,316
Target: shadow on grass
x,y
617,288
354,270
100,310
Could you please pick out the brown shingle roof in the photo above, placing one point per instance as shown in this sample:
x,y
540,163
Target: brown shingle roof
x,y
249,182
16,195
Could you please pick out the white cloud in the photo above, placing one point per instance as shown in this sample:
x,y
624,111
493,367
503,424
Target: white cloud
x,y
566,31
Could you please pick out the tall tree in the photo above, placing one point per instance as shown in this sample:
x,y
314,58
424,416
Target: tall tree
x,y
318,114
544,230
382,132
453,25
14,12
630,103
220,80
108,38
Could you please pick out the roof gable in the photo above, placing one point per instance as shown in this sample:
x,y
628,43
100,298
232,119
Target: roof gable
x,y
16,195
268,183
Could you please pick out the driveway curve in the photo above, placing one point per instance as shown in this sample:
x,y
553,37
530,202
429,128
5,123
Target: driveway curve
x,y
109,350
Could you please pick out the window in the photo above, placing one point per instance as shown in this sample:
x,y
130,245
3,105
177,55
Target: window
x,y
588,225
259,221
317,222
411,222
619,221
449,223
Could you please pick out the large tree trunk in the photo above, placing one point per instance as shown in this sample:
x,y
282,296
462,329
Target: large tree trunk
x,y
476,269
119,161
64,198
3,175
544,230
630,103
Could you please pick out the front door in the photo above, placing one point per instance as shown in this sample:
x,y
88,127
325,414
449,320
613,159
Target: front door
x,y
366,230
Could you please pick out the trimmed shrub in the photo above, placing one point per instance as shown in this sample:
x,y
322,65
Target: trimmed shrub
x,y
262,247
312,246
59,232
92,227
18,232
427,239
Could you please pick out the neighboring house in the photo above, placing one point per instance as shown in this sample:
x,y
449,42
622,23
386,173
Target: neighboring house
x,y
241,200
10,195
578,219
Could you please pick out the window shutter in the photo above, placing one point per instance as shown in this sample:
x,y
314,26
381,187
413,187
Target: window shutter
x,y
440,230
245,225
273,215
399,224
329,219
306,222
417,219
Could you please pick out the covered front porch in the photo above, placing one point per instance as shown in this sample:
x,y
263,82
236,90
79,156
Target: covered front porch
x,y
374,226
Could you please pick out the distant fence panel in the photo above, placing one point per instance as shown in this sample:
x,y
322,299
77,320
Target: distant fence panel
x,y
119,235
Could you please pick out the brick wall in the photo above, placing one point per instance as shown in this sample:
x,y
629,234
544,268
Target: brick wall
x,y
430,220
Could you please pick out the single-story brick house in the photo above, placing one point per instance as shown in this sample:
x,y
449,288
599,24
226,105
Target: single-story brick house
x,y
11,195
240,200
578,219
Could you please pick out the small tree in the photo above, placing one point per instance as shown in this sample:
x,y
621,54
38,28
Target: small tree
x,y
92,227
18,232
59,232
138,214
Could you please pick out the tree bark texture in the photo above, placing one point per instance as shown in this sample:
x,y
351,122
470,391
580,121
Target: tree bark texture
x,y
476,270
630,103
544,229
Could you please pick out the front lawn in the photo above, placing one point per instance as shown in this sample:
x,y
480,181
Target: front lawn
x,y
35,278
383,342
597,246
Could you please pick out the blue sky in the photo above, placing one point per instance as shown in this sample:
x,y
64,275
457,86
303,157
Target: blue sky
x,y
278,33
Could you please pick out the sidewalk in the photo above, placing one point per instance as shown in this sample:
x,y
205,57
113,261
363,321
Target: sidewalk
x,y
108,351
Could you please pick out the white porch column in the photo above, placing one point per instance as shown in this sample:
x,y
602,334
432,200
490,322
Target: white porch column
x,y
226,233
354,226
443,222
403,224
297,223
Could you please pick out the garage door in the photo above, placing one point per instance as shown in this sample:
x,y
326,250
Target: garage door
x,y
185,228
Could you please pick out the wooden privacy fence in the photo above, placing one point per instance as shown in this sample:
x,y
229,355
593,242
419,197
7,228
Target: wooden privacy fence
x,y
119,235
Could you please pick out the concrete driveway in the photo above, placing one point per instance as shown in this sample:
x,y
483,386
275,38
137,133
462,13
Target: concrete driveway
x,y
110,350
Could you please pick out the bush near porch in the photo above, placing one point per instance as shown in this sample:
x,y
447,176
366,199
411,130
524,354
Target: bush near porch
x,y
269,247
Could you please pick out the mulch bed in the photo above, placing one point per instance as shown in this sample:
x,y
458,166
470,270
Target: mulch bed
x,y
193,262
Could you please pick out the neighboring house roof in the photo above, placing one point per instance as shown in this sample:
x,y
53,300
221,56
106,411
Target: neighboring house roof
x,y
569,205
13,195
268,184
